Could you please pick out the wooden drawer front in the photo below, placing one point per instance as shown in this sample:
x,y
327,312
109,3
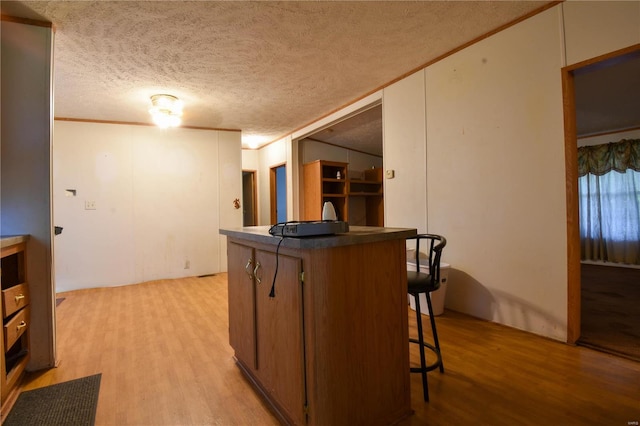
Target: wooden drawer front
x,y
15,298
14,328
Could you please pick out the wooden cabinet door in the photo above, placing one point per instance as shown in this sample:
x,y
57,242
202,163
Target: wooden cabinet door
x,y
242,303
279,334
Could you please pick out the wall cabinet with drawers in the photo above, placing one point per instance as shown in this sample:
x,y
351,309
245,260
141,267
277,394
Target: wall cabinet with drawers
x,y
14,345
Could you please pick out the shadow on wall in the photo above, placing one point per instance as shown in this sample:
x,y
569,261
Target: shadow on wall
x,y
517,312
467,295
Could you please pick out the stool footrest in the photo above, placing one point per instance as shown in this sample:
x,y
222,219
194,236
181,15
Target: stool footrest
x,y
436,364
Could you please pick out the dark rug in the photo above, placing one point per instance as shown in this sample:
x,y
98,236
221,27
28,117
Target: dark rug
x,y
69,403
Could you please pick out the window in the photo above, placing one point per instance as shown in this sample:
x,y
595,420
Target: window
x,y
609,190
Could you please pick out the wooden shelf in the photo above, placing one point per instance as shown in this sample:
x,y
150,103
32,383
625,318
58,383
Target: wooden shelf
x,y
371,185
371,190
321,184
357,201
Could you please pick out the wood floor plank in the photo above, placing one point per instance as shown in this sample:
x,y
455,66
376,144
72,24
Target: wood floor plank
x,y
162,348
610,296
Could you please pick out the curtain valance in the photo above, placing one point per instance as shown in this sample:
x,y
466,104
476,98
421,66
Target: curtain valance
x,y
601,159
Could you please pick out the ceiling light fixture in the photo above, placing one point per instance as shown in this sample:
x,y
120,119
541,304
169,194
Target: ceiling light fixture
x,y
166,111
253,141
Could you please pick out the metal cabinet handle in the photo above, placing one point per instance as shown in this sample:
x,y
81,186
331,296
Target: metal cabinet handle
x,y
255,273
19,298
247,269
21,325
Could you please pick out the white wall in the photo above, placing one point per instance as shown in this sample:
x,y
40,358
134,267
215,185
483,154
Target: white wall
x,y
494,146
272,155
312,151
495,176
594,28
229,170
405,152
250,159
161,197
26,170
358,161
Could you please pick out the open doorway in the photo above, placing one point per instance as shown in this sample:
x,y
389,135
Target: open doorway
x,y
355,142
278,191
602,97
249,198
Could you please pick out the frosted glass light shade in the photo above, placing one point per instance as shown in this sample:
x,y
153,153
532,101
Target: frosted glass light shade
x,y
166,111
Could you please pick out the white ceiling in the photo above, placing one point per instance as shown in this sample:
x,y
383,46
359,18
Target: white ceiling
x,y
266,68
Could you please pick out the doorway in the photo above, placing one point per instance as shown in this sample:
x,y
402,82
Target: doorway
x,y
588,317
249,197
355,140
278,190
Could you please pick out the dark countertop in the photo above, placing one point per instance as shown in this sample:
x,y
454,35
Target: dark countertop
x,y
9,240
356,235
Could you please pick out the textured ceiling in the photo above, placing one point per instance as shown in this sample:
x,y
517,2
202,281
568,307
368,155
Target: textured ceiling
x,y
266,68
362,132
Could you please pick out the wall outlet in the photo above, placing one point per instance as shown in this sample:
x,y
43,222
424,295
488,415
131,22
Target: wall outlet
x,y
187,265
89,205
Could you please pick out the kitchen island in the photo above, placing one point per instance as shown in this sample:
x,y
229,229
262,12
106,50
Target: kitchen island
x,y
319,324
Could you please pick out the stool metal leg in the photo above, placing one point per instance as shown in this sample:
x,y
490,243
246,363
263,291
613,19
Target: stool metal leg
x,y
423,361
424,368
435,332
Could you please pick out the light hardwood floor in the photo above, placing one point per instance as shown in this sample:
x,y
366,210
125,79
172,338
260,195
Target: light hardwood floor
x,y
162,348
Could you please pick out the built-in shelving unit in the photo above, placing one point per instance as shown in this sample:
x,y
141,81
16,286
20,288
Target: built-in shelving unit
x,y
369,188
357,201
325,181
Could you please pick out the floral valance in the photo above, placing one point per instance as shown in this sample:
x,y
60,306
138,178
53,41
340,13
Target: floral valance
x,y
601,159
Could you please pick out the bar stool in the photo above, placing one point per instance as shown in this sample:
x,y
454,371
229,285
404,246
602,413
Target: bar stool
x,y
424,283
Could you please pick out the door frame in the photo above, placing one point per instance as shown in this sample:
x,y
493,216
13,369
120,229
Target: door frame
x,y
254,195
571,181
272,191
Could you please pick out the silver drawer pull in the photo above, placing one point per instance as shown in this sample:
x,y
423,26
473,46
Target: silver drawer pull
x,y
21,325
255,273
19,298
247,269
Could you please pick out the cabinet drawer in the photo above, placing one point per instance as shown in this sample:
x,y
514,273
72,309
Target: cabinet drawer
x,y
15,298
16,327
